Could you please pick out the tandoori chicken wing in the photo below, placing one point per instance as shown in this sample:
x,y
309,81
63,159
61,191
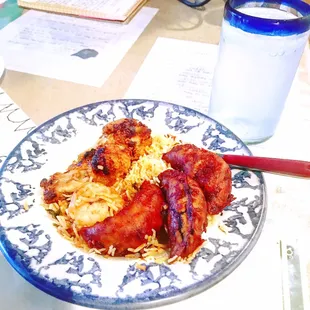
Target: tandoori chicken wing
x,y
127,228
187,212
209,170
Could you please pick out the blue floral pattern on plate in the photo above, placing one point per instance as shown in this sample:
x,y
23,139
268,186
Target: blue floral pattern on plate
x,y
33,247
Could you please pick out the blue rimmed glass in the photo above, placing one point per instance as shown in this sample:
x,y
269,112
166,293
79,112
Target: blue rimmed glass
x,y
261,45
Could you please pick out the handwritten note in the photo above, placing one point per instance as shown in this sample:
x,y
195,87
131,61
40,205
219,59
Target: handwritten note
x,y
67,48
177,71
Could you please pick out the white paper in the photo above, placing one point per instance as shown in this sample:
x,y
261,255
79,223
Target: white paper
x,y
109,7
53,45
176,71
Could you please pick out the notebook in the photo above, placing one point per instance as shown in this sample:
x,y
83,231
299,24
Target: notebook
x,y
113,10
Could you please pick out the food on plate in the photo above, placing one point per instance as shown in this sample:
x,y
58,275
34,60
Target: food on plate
x,y
128,228
130,134
187,212
209,170
136,194
121,143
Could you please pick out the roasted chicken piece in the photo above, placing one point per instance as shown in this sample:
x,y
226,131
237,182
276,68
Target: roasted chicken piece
x,y
130,134
209,170
68,182
104,165
110,163
187,212
127,228
125,140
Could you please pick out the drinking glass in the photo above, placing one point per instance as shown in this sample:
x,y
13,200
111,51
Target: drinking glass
x,y
260,48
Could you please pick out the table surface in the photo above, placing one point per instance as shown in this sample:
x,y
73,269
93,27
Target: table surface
x,y
42,98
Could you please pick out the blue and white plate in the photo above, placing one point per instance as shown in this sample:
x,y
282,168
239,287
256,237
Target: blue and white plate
x,y
32,246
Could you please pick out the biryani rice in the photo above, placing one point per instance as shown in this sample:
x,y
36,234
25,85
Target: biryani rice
x,y
94,202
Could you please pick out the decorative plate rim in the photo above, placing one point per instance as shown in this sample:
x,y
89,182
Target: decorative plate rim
x,y
129,303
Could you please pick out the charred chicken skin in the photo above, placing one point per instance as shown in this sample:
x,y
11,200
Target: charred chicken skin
x,y
127,228
123,141
130,134
209,170
187,212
